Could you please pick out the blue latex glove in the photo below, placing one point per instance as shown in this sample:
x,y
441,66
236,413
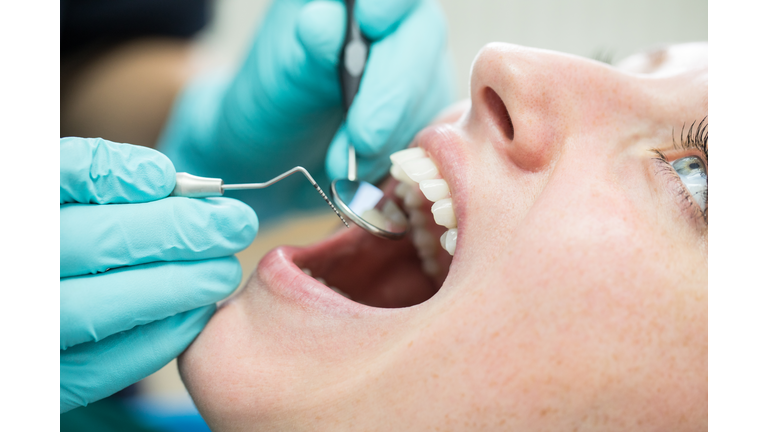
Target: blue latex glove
x,y
169,261
283,108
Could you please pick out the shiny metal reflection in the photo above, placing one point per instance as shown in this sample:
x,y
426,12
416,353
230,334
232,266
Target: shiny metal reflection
x,y
366,205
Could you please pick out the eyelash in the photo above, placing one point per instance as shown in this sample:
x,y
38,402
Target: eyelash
x,y
697,141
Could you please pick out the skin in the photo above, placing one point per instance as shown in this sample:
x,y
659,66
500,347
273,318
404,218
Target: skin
x,y
576,300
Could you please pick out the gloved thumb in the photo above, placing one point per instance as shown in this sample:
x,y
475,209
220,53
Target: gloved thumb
x,y
97,171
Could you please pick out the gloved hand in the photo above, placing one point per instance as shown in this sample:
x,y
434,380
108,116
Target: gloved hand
x,y
169,261
284,107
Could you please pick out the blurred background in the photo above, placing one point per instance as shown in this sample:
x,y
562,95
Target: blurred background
x,y
219,37
589,28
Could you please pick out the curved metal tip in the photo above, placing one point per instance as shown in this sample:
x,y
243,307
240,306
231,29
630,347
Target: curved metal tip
x,y
375,204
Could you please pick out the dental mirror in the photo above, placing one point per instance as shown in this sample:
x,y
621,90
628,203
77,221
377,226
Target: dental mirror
x,y
362,202
365,205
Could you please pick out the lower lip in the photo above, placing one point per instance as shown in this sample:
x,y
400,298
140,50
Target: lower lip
x,y
284,279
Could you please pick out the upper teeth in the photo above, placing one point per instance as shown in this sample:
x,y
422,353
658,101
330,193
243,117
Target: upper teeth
x,y
443,212
435,189
448,240
420,169
412,166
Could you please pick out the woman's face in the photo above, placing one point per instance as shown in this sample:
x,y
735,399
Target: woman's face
x,y
576,297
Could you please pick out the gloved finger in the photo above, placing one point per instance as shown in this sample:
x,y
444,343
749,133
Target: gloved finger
x,y
320,29
95,307
97,171
282,94
372,167
94,238
321,25
95,370
337,159
396,78
377,18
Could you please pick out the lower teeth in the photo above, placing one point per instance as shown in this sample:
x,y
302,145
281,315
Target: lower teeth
x,y
423,240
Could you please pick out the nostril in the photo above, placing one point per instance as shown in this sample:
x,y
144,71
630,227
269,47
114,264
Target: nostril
x,y
499,113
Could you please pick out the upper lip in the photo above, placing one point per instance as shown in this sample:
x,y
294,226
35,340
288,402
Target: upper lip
x,y
444,146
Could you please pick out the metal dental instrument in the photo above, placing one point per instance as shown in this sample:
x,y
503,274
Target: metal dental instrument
x,y
192,186
360,201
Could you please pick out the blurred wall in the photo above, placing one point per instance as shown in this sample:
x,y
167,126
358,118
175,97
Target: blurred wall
x,y
590,28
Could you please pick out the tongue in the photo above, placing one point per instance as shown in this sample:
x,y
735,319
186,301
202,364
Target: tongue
x,y
373,271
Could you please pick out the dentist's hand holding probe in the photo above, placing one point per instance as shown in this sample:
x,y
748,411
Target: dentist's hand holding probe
x,y
140,272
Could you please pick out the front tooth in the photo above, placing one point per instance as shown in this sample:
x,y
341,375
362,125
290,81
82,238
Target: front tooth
x,y
412,199
435,189
443,213
307,271
402,189
420,169
398,173
321,280
393,214
375,217
401,156
448,240
417,218
424,242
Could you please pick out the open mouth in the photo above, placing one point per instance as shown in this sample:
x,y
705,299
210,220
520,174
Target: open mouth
x,y
384,273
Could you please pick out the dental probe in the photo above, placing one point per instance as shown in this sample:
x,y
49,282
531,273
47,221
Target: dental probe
x,y
192,186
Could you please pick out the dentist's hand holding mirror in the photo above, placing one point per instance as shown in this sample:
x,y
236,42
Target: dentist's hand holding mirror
x,y
361,202
285,106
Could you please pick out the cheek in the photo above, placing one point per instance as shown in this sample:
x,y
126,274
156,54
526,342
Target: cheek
x,y
578,314
588,227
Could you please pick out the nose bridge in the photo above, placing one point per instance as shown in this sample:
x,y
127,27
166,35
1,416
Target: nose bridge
x,y
547,96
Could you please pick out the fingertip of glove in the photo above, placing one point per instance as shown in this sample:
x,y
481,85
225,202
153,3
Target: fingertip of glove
x,y
240,219
369,137
150,171
167,172
250,222
320,29
230,273
378,18
98,171
336,159
185,326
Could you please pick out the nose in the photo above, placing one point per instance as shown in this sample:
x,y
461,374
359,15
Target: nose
x,y
525,101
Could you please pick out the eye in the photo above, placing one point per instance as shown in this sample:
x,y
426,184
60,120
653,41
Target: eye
x,y
694,176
